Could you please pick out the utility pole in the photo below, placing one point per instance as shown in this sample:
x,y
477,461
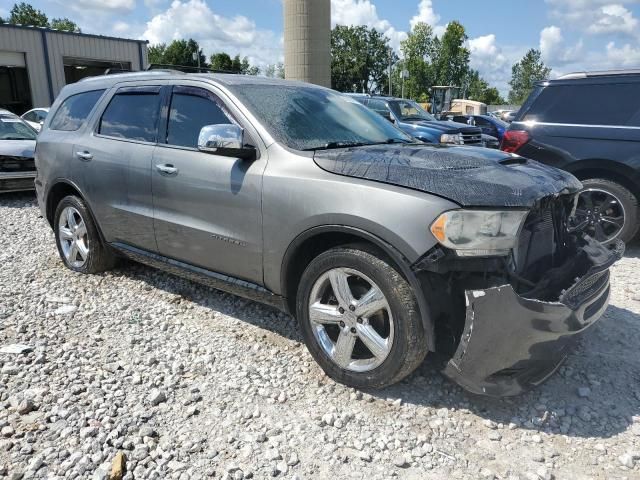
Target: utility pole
x,y
196,56
390,60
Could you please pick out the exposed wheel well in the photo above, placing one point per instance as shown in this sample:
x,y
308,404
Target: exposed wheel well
x,y
310,248
611,175
56,194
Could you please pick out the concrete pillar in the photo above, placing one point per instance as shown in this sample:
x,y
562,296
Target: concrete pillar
x,y
307,41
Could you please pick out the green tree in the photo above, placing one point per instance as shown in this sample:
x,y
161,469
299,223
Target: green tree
x,y
221,62
65,24
180,52
24,14
156,53
476,88
525,74
418,52
359,59
451,57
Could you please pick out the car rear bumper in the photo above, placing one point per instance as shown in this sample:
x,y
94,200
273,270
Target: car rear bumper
x,y
511,344
17,181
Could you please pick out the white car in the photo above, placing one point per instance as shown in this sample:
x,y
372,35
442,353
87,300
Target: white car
x,y
35,117
17,147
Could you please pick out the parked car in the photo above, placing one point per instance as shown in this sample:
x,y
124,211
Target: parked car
x,y
589,125
299,197
489,125
17,145
510,116
411,118
35,117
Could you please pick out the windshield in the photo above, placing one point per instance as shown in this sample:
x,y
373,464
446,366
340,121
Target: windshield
x,y
310,118
12,128
410,110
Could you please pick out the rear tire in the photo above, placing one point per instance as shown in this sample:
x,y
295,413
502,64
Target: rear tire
x,y
628,208
384,318
79,243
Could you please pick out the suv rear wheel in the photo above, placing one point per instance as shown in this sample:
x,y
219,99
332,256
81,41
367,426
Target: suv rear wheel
x,y
610,209
77,238
360,319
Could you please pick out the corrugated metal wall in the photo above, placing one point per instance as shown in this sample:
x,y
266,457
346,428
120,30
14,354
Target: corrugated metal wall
x,y
30,42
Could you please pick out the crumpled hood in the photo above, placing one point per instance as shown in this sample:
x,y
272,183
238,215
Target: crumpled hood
x,y
17,148
469,176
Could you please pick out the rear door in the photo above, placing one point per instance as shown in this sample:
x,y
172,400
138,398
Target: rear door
x,y
208,210
117,153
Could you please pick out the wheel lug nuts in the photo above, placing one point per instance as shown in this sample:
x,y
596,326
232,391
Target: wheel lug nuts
x,y
341,324
359,320
341,310
352,307
353,330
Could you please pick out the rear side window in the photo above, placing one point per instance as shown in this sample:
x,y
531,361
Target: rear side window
x,y
610,104
132,115
379,106
75,110
192,109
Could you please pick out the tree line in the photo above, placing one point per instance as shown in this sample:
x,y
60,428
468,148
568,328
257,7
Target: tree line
x,y
361,56
360,59
25,14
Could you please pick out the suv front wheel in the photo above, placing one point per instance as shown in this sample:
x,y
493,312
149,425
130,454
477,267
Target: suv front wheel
x,y
360,319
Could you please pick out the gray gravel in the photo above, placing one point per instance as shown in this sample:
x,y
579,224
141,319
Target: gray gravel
x,y
191,383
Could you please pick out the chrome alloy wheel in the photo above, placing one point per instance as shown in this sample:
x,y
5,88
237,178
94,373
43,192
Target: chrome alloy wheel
x,y
351,319
72,233
602,212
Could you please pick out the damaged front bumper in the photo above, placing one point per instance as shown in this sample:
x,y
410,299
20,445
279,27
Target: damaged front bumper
x,y
511,343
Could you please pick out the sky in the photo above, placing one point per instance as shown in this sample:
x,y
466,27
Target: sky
x,y
573,35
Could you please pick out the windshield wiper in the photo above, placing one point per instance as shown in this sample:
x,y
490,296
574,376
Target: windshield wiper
x,y
15,138
334,145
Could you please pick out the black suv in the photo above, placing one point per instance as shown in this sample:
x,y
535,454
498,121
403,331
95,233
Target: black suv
x,y
589,125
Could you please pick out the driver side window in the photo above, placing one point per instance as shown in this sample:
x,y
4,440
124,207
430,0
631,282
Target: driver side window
x,y
190,110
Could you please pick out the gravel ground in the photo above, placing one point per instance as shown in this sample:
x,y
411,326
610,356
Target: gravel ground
x,y
192,383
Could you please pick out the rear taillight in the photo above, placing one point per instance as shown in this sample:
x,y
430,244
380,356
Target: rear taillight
x,y
514,140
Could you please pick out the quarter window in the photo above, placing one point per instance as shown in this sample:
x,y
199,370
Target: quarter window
x,y
75,110
588,104
132,115
192,109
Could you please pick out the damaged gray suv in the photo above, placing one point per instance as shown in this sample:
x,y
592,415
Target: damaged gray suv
x,y
296,196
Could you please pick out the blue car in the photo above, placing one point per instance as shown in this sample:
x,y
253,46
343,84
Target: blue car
x,y
412,119
488,124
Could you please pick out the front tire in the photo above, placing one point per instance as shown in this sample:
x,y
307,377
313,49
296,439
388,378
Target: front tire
x,y
610,209
360,319
79,244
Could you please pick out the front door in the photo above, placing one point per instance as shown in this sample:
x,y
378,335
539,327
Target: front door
x,y
207,208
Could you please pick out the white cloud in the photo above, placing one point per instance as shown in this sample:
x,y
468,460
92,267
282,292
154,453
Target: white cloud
x,y
364,12
492,61
425,14
625,56
554,51
104,5
614,19
214,32
596,17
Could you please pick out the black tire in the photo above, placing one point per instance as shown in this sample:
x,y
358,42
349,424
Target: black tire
x,y
409,346
99,257
628,201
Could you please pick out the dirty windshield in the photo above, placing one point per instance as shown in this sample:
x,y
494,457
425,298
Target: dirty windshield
x,y
308,118
407,110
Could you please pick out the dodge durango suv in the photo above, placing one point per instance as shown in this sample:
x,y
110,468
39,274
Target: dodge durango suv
x,y
299,197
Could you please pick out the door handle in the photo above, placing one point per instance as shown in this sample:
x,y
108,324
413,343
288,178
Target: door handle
x,y
84,156
167,169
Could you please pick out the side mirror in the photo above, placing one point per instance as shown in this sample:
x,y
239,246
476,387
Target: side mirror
x,y
226,140
389,117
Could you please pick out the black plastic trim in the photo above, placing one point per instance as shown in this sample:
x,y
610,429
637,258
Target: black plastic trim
x,y
215,280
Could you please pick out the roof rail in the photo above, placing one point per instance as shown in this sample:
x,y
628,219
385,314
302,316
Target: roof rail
x,y
601,73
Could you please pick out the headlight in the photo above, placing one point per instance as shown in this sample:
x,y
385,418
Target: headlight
x,y
455,138
484,233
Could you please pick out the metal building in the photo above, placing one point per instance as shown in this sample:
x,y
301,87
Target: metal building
x,y
35,63
307,41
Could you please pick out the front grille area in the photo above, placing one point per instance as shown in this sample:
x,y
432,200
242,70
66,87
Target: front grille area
x,y
16,164
472,137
